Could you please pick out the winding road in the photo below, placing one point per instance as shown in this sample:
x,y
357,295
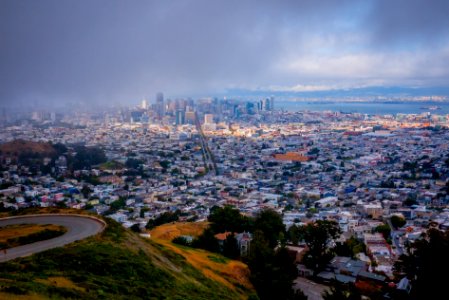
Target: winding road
x,y
78,227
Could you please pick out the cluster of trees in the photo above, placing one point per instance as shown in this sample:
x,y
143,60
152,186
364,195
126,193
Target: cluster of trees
x,y
385,230
272,268
351,247
426,265
317,236
133,163
35,159
86,157
166,217
229,219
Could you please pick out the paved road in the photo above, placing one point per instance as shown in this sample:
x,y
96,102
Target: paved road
x,y
312,290
78,228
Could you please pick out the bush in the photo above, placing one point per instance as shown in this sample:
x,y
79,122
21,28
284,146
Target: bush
x,y
397,221
180,240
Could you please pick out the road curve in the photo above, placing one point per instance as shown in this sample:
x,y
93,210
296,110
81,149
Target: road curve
x,y
78,227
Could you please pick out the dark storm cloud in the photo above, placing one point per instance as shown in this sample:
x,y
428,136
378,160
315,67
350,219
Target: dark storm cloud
x,y
124,50
409,21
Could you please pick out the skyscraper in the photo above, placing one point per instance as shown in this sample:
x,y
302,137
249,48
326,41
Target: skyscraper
x,y
208,119
180,117
190,117
144,104
160,106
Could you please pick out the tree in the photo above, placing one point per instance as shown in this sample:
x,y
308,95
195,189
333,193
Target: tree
x,y
85,157
135,228
350,247
317,236
85,190
228,218
339,292
230,247
143,210
384,229
180,240
410,201
397,221
270,223
164,164
424,265
133,163
163,218
207,241
272,272
294,234
118,204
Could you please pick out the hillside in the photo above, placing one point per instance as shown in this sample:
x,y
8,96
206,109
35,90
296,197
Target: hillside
x,y
118,264
17,147
229,272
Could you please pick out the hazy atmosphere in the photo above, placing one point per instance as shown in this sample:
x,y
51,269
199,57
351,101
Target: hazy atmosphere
x,y
120,51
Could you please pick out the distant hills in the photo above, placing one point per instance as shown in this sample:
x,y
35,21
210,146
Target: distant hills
x,y
396,92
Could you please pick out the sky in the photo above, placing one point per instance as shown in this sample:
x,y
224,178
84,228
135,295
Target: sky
x,y
96,51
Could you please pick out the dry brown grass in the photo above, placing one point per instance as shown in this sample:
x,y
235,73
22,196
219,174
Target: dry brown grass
x,y
169,231
47,210
16,147
230,273
19,230
5,296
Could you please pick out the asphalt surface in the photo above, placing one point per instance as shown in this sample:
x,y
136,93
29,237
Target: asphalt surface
x,y
311,289
78,228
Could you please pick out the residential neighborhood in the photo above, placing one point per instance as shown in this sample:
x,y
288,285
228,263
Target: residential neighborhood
x,y
355,169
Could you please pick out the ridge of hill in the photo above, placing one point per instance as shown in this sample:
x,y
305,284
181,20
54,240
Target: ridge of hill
x,y
119,264
17,147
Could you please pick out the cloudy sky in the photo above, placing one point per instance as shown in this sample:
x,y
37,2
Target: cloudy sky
x,y
121,51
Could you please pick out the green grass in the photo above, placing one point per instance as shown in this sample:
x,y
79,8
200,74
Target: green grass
x,y
217,259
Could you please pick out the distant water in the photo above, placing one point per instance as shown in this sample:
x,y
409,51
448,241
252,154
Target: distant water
x,y
366,107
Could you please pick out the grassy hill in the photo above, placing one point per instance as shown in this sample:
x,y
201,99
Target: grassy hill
x,y
17,147
119,264
231,273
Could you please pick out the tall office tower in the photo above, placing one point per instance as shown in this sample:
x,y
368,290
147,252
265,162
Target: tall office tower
x,y
144,104
180,117
190,117
249,106
259,105
160,106
271,103
208,119
266,104
53,116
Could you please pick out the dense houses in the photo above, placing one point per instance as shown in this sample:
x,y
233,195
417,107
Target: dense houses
x,y
356,169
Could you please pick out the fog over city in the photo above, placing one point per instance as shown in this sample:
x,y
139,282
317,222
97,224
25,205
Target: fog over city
x,y
120,51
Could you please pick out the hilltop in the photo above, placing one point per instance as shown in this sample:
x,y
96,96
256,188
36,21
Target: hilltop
x,y
17,147
119,264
